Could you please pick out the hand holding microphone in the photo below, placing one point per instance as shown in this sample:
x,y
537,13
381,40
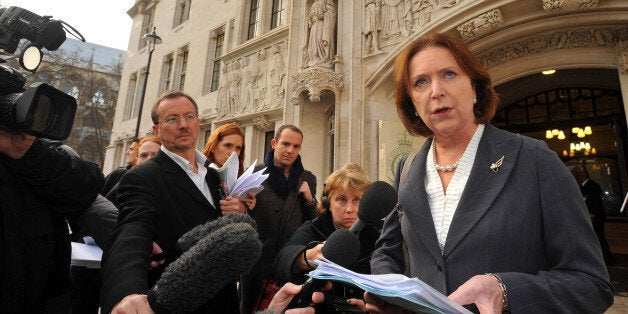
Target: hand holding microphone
x,y
343,248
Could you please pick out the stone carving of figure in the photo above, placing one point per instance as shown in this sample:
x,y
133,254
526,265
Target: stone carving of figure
x,y
223,94
372,25
260,81
319,48
249,92
277,73
234,87
393,19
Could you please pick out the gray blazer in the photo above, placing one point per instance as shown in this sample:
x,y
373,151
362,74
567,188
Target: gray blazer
x,y
526,222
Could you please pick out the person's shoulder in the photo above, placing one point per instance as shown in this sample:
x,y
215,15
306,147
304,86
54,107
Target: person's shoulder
x,y
308,174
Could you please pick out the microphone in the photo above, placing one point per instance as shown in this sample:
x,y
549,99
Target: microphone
x,y
377,201
205,268
195,234
343,248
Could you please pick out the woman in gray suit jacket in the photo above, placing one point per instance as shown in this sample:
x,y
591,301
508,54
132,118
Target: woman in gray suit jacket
x,y
492,219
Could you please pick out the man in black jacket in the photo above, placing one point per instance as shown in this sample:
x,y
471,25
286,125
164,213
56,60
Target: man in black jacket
x,y
160,200
39,187
592,193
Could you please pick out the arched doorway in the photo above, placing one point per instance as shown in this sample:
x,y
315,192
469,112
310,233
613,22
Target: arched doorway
x,y
557,108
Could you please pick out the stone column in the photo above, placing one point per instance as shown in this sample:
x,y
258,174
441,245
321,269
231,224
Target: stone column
x,y
622,68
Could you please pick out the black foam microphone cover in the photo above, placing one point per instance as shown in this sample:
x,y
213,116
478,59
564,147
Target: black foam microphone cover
x,y
376,202
341,247
191,237
208,266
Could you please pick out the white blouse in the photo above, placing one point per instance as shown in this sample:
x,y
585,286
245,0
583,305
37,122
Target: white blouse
x,y
443,206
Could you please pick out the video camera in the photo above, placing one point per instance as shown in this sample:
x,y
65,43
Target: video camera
x,y
40,109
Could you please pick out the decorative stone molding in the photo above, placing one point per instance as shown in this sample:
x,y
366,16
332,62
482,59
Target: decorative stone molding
x,y
549,41
481,24
314,80
262,122
557,6
622,57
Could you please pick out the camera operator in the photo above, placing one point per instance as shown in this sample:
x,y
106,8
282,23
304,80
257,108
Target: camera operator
x,y
39,187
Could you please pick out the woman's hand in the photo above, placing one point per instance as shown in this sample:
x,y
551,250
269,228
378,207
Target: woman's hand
x,y
250,201
484,291
377,305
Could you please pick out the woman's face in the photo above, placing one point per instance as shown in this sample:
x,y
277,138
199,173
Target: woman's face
x,y
343,205
441,92
224,148
147,151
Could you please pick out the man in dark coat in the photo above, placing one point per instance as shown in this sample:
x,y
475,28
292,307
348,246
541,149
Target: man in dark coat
x,y
160,200
114,176
592,193
287,201
40,187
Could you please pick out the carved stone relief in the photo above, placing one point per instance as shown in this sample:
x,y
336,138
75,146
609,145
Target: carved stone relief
x,y
481,24
263,122
372,26
399,18
252,83
557,6
548,41
314,81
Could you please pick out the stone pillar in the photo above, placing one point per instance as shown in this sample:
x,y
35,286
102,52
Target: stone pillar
x,y
622,68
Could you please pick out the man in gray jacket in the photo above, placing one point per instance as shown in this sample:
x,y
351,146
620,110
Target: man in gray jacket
x,y
288,200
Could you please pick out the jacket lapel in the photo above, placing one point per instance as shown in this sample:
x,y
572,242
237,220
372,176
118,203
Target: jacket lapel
x,y
180,179
415,204
484,184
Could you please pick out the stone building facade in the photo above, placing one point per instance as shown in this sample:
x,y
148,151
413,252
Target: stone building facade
x,y
325,66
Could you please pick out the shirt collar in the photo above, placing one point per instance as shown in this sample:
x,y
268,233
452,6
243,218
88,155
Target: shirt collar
x,y
182,162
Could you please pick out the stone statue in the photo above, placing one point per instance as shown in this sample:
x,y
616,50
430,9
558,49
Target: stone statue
x,y
319,48
277,73
372,26
234,87
223,94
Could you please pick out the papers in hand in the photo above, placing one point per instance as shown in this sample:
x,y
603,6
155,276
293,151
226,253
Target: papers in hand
x,y
248,182
86,254
410,293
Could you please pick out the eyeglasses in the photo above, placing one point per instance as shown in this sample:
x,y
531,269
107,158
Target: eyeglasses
x,y
188,117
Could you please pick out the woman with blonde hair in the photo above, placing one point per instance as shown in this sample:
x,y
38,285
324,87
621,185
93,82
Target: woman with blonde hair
x,y
339,210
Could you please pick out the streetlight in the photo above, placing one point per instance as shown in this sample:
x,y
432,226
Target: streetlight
x,y
151,40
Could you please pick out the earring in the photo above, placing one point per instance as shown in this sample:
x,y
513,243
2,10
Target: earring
x,y
416,114
475,101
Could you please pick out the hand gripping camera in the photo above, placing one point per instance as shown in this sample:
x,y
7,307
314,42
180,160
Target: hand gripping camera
x,y
39,109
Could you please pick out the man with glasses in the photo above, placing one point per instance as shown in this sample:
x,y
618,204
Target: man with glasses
x,y
159,201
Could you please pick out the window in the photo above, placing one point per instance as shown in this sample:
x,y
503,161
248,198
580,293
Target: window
x,y
216,68
130,97
147,25
254,19
166,73
100,95
278,16
182,64
182,12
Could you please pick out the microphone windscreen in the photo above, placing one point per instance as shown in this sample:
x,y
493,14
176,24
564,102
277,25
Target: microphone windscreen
x,y
208,266
191,237
342,247
376,202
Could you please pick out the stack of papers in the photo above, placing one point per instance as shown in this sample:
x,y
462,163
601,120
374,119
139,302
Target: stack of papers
x,y
86,254
410,293
248,182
